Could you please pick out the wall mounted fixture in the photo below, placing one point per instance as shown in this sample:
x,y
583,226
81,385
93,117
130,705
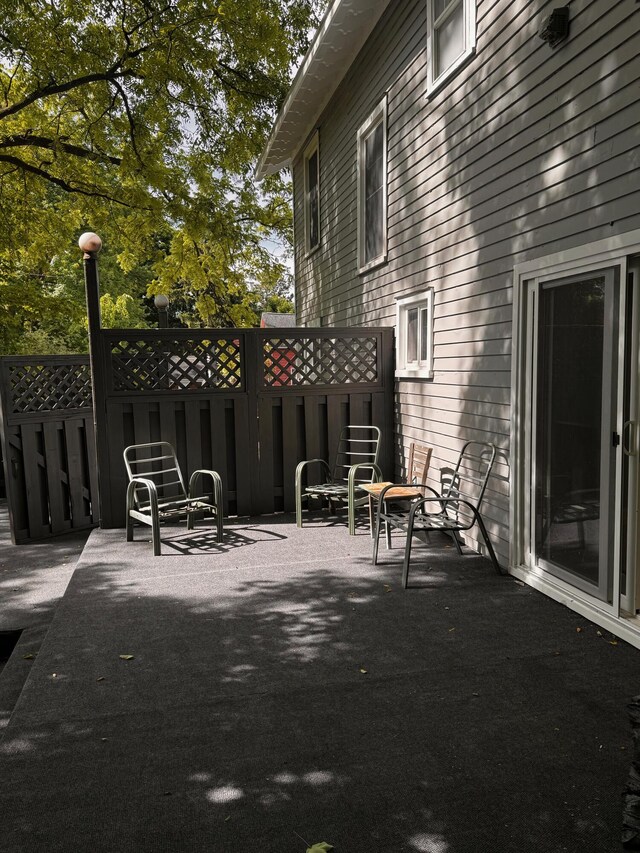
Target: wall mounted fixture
x,y
555,28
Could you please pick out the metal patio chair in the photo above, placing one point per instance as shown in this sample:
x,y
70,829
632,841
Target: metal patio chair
x,y
457,508
156,491
356,463
411,490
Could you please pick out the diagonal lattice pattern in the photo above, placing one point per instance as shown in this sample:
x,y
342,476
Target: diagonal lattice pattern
x,y
177,365
49,387
320,361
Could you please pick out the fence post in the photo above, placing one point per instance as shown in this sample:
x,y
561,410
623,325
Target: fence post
x,y
90,244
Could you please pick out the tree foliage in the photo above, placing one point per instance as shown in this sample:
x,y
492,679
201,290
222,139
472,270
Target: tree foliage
x,y
142,120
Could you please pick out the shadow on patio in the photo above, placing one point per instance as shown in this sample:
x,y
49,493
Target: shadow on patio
x,y
285,689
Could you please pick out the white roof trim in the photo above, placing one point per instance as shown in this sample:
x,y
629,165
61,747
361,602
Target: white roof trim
x,y
346,26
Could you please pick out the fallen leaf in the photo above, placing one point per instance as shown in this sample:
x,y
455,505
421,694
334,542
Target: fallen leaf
x,y
28,656
101,678
451,629
126,657
613,642
321,847
578,630
228,817
387,588
363,671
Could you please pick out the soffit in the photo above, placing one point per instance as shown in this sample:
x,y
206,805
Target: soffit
x,y
344,29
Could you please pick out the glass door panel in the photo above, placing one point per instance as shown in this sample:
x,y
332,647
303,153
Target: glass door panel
x,y
573,432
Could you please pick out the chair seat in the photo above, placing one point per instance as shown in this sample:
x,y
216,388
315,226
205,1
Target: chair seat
x,y
335,490
397,493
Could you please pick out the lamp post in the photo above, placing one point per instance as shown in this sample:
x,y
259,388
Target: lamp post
x,y
90,244
162,303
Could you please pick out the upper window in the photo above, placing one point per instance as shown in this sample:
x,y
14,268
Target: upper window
x,y
312,195
451,37
372,189
414,336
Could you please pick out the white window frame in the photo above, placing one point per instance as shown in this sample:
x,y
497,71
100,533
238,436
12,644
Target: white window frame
x,y
419,368
312,148
378,116
434,81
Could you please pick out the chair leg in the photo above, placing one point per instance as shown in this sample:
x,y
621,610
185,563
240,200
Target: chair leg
x,y
219,501
190,520
129,520
298,501
492,553
376,537
155,535
454,536
407,554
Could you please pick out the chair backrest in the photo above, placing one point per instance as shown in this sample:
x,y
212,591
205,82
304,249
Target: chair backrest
x,y
356,444
469,478
418,464
156,462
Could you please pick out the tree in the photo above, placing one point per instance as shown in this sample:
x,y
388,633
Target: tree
x,y
142,121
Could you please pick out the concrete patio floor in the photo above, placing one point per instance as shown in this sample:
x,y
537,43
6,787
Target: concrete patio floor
x,y
282,691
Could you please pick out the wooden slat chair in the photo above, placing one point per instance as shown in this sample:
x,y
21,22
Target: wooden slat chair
x,y
156,491
402,495
356,463
457,508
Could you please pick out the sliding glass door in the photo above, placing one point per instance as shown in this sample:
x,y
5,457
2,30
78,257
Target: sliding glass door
x,y
574,440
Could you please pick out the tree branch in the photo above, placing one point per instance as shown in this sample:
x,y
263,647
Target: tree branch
x,y
27,139
59,182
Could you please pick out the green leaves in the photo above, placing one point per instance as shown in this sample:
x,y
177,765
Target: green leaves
x,y
143,122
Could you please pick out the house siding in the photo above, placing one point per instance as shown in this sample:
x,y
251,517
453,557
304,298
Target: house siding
x,y
526,151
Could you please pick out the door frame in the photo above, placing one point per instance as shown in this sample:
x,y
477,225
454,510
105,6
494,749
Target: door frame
x,y
612,252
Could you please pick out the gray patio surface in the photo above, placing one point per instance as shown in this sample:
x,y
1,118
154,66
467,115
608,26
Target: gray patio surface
x,y
281,688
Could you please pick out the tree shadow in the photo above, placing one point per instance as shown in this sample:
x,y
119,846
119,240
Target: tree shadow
x,y
311,697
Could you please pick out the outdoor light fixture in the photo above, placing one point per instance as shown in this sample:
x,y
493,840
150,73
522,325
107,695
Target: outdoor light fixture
x,y
162,303
555,28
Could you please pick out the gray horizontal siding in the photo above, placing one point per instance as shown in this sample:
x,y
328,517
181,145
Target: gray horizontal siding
x,y
526,151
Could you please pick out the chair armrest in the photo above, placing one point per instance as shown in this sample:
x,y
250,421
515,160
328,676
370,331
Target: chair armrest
x,y
149,485
301,465
202,472
423,501
353,470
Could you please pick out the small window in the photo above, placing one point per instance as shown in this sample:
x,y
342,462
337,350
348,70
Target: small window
x,y
372,189
451,37
414,336
312,195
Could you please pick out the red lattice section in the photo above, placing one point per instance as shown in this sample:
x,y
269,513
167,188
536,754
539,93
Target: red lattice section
x,y
320,361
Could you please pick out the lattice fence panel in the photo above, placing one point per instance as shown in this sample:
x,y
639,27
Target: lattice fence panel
x,y
320,361
48,387
176,365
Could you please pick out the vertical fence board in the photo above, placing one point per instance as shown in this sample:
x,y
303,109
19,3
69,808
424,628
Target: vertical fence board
x,y
58,509
243,462
290,450
193,434
266,503
31,465
74,472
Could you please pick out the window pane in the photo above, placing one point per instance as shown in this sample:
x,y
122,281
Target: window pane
x,y
439,6
424,334
412,335
449,40
312,201
373,218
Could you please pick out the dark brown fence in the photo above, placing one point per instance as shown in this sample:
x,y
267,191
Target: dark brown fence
x,y
48,448
249,403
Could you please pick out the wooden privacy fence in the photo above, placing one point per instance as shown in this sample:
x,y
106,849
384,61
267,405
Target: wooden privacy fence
x,y
249,403
48,451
